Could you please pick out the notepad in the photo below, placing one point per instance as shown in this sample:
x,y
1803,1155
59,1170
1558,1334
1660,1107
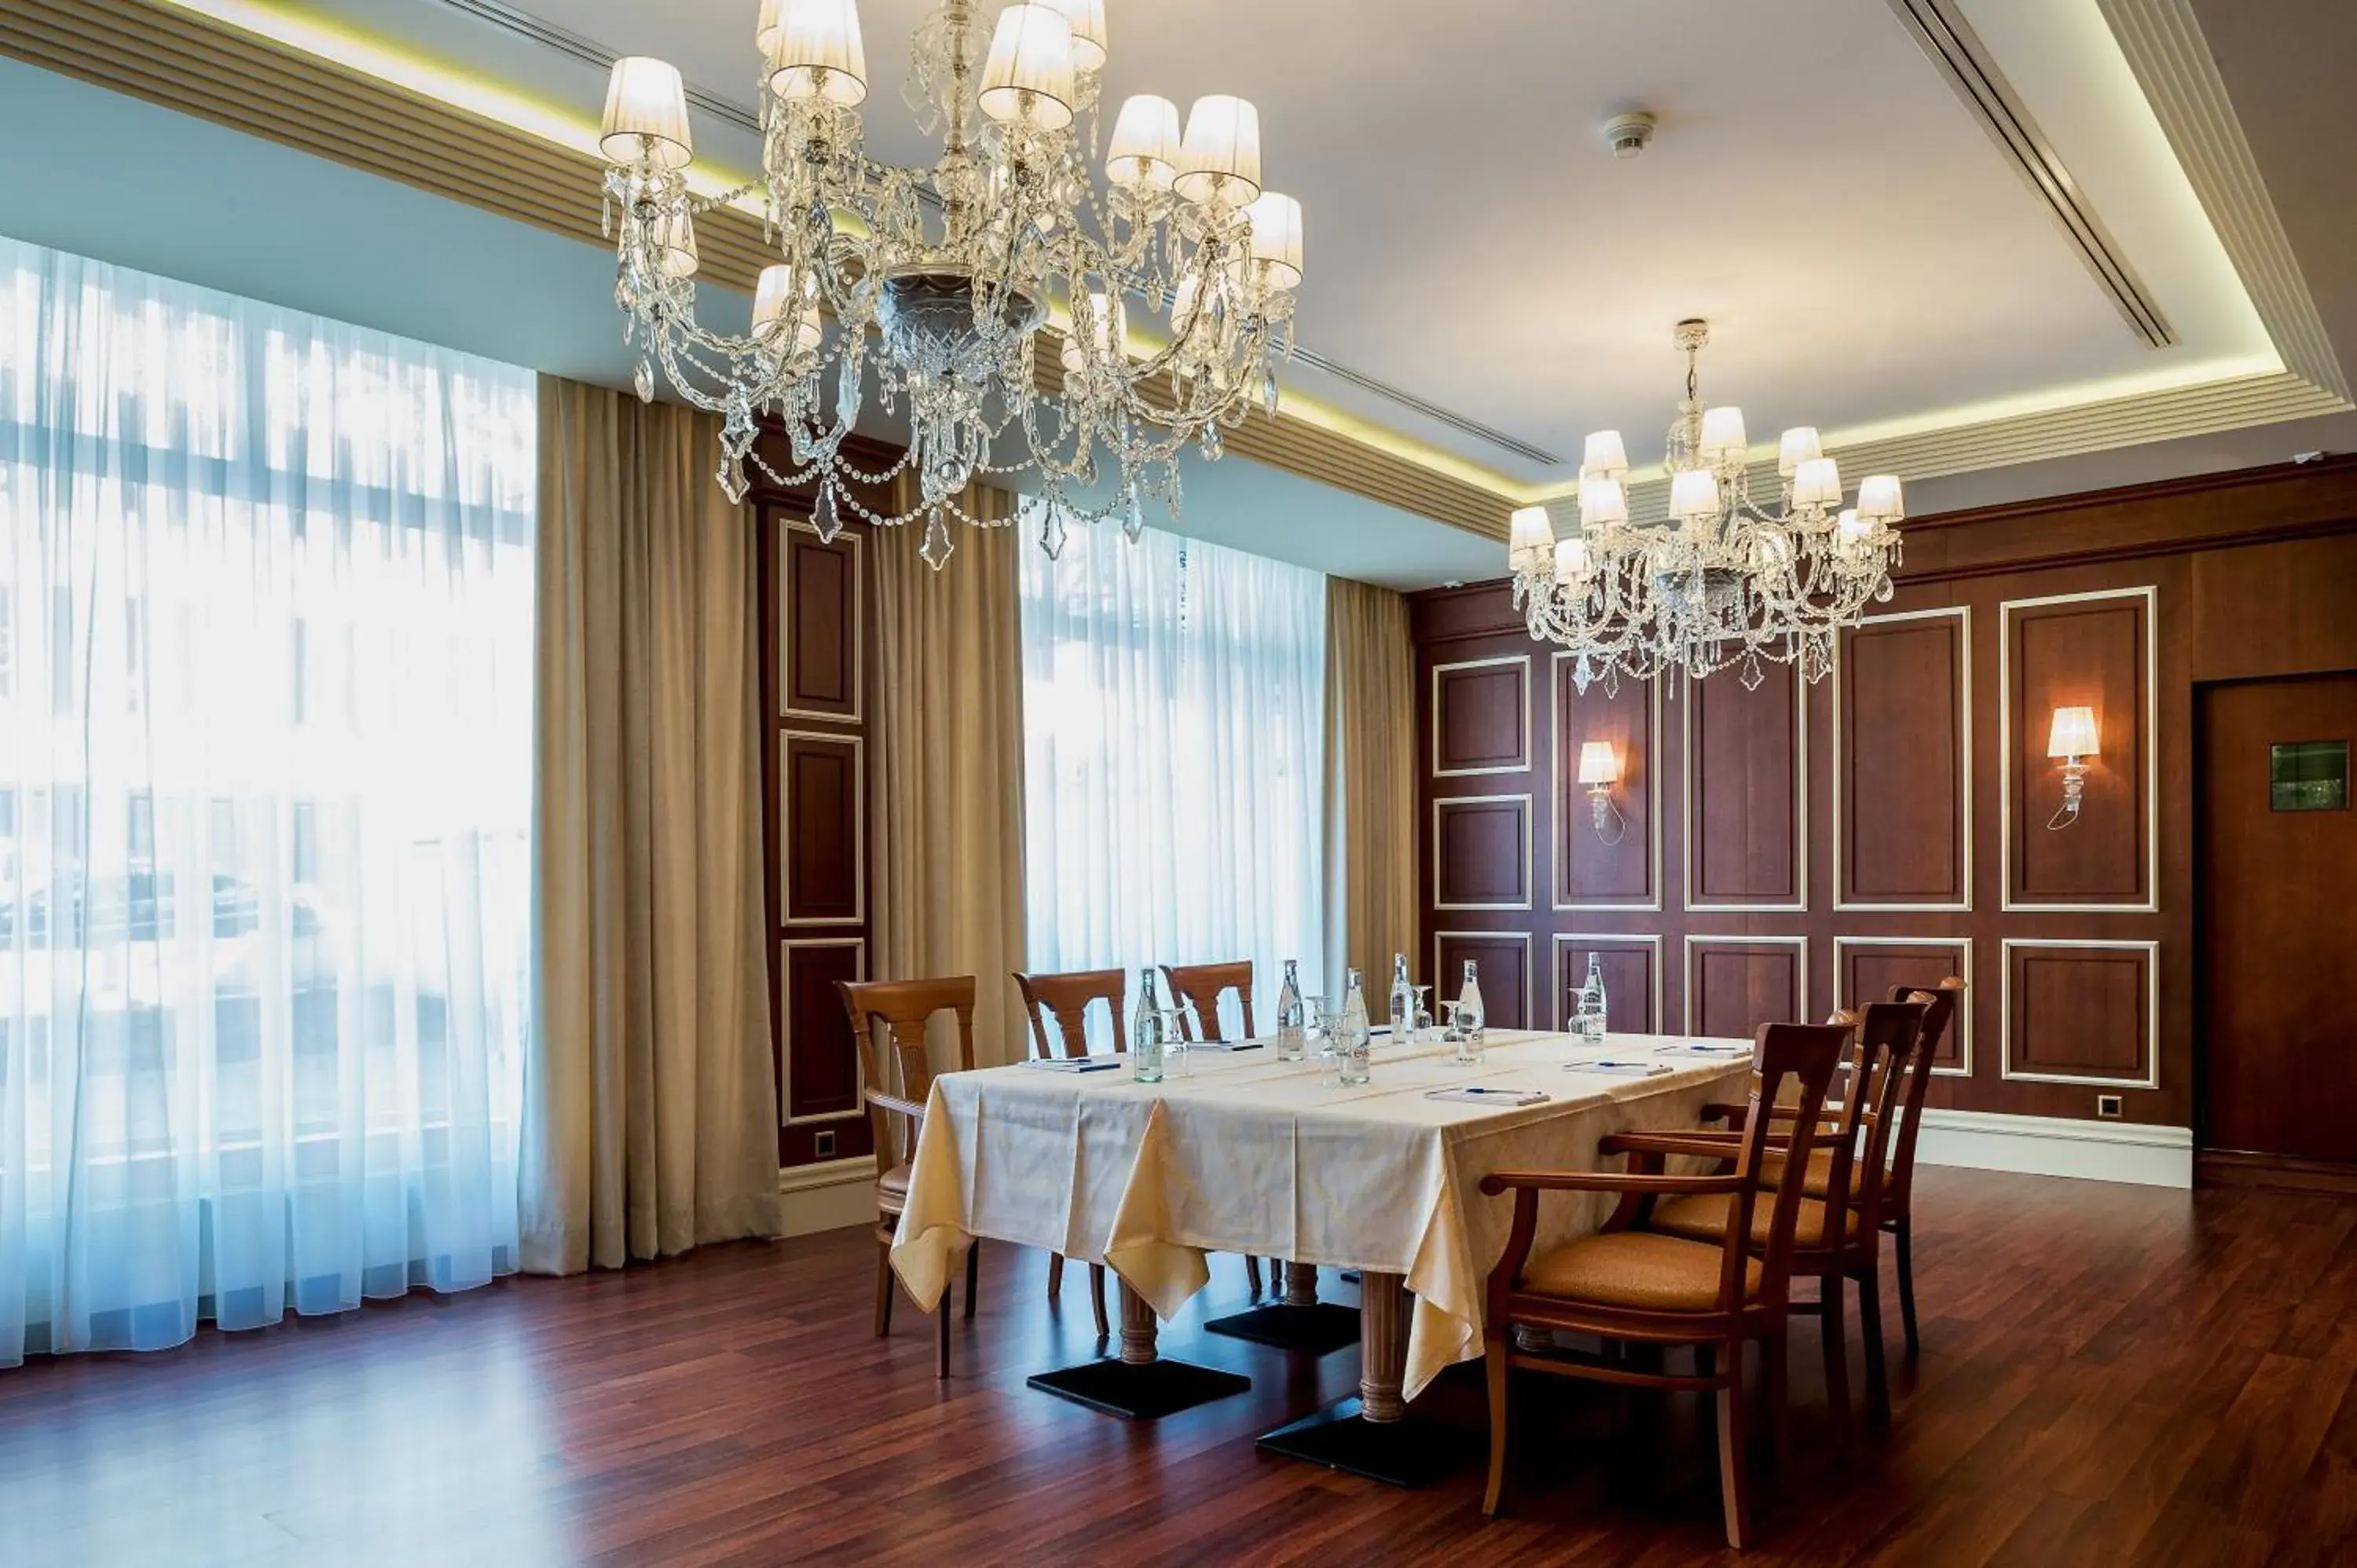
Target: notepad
x,y
1227,1045
1073,1064
1623,1068
1475,1094
1705,1048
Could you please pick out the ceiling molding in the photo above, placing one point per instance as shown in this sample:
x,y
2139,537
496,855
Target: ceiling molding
x,y
1939,26
590,52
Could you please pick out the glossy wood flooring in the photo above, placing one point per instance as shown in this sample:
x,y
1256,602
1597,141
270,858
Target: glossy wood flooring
x,y
2111,1374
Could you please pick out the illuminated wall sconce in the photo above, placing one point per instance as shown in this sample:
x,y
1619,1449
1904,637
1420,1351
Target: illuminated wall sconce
x,y
2072,740
1599,769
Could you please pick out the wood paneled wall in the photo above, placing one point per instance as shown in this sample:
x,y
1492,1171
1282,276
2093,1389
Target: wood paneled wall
x,y
1790,847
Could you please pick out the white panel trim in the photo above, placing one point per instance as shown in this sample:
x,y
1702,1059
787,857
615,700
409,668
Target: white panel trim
x,y
786,1030
858,916
1727,940
828,1195
1564,785
2151,950
2057,1146
1530,1010
1525,765
858,627
2151,739
1529,887
1964,614
1963,1009
1800,809
1605,938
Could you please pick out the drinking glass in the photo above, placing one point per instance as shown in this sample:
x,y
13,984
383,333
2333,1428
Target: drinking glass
x,y
1469,1042
1421,1019
1182,1059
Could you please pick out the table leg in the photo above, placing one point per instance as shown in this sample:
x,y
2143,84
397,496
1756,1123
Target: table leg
x,y
1373,1435
1138,1383
1301,1284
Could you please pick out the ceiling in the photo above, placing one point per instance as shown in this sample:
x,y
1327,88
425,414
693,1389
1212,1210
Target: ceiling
x,y
1870,261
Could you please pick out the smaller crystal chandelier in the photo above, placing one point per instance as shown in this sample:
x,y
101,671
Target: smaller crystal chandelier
x,y
1723,580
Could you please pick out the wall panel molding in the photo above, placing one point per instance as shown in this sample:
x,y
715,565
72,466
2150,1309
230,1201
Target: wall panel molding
x,y
823,789
1481,852
1490,698
1877,741
1767,999
1638,857
2113,998
1866,968
1504,957
1759,885
806,995
1571,950
821,616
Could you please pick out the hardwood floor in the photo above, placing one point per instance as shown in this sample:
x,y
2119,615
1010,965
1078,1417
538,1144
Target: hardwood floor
x,y
2110,1374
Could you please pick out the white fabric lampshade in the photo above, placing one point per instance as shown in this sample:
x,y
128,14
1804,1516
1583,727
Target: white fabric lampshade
x,y
782,299
1799,444
646,115
1276,237
1144,152
1722,432
1851,529
1693,493
1605,456
1529,538
1086,18
815,52
2073,734
1817,482
1220,156
1602,503
765,31
675,246
1571,559
1880,499
1598,762
1029,77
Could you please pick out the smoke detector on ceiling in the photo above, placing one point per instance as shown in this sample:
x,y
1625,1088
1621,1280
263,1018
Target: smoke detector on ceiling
x,y
1629,134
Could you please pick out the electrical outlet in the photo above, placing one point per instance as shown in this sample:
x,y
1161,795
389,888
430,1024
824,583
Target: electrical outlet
x,y
2107,1106
823,1143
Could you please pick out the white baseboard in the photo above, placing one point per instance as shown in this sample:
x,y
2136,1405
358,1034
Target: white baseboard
x,y
2055,1145
827,1196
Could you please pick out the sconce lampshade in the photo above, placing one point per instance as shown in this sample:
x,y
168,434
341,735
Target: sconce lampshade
x,y
2073,734
814,52
1799,445
1029,74
1219,155
1530,540
1598,763
1605,456
646,114
1722,433
1143,153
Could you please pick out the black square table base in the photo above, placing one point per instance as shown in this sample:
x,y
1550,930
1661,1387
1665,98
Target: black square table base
x,y
1318,1329
1142,1390
1406,1453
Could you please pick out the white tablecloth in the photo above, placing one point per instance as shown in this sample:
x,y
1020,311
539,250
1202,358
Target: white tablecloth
x,y
1254,1155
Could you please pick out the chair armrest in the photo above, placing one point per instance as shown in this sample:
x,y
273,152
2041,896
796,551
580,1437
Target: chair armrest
x,y
1497,1182
908,1108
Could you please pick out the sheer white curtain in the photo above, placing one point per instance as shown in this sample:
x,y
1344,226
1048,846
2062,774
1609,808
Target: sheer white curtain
x,y
1174,759
266,674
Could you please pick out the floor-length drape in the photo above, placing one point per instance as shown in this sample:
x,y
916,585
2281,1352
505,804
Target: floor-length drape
x,y
650,1093
265,631
1371,825
1175,710
946,768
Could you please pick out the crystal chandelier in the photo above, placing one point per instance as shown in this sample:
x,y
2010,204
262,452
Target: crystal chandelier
x,y
957,266
1723,580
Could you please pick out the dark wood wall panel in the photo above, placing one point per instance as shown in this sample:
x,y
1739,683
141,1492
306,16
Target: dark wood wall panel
x,y
818,674
1866,971
1900,763
1482,851
1589,871
819,1064
1631,970
1735,985
2078,1013
824,870
1744,792
1481,717
1503,963
2078,652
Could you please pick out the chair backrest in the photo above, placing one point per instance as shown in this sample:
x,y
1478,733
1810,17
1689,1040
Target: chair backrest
x,y
1068,997
1807,1055
1938,1016
906,1007
1195,988
1889,1040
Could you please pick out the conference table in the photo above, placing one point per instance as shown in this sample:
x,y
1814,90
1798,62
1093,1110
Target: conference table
x,y
1238,1152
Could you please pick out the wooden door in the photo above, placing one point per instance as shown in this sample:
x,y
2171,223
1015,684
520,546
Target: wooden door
x,y
2278,867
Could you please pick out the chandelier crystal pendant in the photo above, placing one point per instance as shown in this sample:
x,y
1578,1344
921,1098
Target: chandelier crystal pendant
x,y
1723,580
1176,282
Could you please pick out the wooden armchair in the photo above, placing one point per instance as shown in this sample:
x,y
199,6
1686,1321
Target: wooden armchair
x,y
1195,992
1648,1288
906,1007
1067,997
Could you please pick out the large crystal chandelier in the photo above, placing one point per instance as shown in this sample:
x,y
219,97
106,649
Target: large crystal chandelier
x,y
958,266
1724,580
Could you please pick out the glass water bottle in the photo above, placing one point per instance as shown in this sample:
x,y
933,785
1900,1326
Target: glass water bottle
x,y
1146,1037
1292,1017
1352,1061
1591,1000
1403,1001
1471,1022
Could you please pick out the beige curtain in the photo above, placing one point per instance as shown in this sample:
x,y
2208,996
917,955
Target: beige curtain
x,y
1371,835
945,775
649,1091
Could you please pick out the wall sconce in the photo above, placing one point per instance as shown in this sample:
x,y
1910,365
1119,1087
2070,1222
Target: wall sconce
x,y
2072,740
1599,769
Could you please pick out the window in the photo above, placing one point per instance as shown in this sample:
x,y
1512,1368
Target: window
x,y
280,964
1173,758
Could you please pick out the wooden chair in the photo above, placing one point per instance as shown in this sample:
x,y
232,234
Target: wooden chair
x,y
1067,997
1195,992
1837,1236
906,1007
1643,1288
